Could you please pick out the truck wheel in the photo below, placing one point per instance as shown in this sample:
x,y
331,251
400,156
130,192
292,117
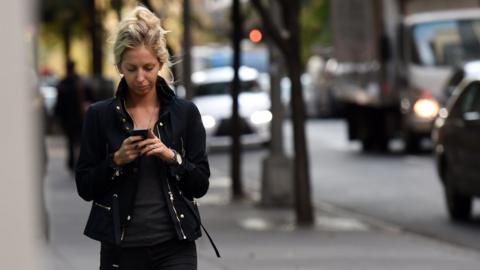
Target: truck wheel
x,y
459,205
412,142
368,145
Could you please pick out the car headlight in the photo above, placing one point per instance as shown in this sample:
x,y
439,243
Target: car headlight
x,y
426,108
261,117
208,121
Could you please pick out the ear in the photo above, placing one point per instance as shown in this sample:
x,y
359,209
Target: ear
x,y
160,64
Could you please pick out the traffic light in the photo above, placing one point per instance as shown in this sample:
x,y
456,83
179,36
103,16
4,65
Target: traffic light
x,y
255,35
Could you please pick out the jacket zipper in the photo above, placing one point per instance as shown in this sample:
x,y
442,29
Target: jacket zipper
x,y
175,210
170,194
103,206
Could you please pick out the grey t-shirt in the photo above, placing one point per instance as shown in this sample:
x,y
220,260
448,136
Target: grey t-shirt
x,y
151,223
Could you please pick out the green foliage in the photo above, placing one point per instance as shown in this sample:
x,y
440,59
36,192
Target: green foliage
x,y
55,15
315,27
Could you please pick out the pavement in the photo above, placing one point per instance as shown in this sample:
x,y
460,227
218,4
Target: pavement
x,y
251,237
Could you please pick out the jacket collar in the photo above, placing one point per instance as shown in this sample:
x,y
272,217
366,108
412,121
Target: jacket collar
x,y
164,93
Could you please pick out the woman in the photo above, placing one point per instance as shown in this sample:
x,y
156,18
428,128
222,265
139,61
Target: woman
x,y
143,188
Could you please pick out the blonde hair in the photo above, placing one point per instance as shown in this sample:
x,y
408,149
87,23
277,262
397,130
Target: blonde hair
x,y
142,27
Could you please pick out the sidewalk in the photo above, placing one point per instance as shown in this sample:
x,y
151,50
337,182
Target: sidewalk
x,y
250,237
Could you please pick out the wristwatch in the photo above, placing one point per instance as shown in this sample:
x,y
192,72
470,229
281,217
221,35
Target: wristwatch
x,y
177,158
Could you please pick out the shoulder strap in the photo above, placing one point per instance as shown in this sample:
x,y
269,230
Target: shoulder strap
x,y
203,227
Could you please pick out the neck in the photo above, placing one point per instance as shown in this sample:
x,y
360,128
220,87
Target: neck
x,y
148,100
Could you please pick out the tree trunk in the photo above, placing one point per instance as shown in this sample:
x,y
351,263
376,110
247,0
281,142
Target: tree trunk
x,y
117,6
303,204
237,188
288,42
67,37
96,37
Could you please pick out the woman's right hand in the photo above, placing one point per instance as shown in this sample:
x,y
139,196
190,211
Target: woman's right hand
x,y
128,151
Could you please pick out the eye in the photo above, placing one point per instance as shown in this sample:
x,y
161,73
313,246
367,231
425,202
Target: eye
x,y
149,68
131,68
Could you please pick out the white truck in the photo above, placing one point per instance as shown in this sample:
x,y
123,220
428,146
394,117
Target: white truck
x,y
392,59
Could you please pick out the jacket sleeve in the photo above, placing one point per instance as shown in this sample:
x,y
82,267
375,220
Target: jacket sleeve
x,y
194,173
94,173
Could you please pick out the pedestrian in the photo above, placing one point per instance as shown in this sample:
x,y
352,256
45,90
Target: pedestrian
x,y
143,159
72,99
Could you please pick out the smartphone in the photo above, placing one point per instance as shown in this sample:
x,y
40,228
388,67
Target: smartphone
x,y
140,132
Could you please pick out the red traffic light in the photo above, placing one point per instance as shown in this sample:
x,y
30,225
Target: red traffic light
x,y
255,35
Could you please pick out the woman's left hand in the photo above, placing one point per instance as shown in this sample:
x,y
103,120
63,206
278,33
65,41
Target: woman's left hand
x,y
153,146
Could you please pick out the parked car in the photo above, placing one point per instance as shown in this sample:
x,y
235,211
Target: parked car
x,y
456,136
468,69
311,96
211,90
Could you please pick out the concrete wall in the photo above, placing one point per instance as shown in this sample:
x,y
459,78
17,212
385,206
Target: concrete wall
x,y
19,234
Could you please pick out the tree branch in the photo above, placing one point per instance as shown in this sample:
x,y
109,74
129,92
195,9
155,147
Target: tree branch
x,y
272,30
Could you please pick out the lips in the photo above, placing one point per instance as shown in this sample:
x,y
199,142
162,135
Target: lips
x,y
142,87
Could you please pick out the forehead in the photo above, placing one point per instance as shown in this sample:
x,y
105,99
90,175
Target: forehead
x,y
139,56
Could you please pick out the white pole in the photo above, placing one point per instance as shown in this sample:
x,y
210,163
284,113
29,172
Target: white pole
x,y
19,235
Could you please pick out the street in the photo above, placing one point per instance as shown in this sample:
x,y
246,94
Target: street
x,y
400,189
372,212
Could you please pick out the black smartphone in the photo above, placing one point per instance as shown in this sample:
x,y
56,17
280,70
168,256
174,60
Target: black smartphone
x,y
140,132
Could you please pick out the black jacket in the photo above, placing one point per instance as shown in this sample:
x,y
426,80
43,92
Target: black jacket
x,y
113,189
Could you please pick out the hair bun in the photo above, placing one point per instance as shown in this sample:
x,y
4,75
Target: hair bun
x,y
145,15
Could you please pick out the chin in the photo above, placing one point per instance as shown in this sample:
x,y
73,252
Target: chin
x,y
142,92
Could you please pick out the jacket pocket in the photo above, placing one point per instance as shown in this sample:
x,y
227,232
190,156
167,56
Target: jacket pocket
x,y
190,217
100,223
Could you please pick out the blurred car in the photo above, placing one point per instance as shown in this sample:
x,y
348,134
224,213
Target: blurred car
x,y
468,69
456,136
310,94
213,99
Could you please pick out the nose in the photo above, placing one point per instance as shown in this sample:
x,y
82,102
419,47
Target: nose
x,y
140,76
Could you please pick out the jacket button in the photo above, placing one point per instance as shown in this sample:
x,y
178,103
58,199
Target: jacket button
x,y
129,217
118,108
182,216
124,120
161,124
127,128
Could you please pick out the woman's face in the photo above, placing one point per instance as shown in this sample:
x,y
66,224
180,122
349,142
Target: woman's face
x,y
140,67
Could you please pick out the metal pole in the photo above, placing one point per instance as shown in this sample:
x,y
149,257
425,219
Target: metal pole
x,y
237,188
187,45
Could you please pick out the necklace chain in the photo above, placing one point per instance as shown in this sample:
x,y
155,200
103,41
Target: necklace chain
x,y
150,119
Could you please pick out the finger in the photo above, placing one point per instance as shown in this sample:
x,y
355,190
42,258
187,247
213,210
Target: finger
x,y
154,151
131,155
151,134
130,147
158,151
133,139
147,142
148,148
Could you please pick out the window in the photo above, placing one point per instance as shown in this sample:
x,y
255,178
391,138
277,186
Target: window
x,y
446,43
469,101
